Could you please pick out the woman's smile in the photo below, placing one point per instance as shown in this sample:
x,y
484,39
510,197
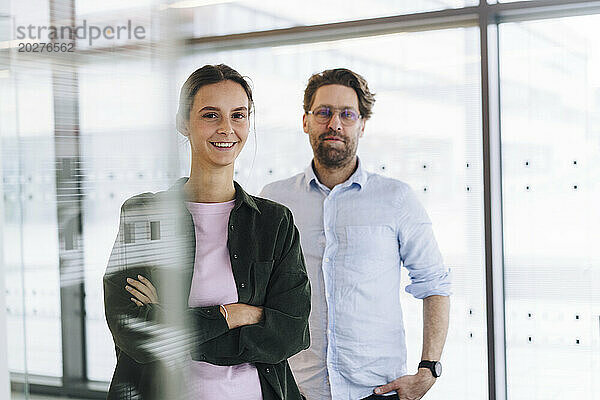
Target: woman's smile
x,y
223,146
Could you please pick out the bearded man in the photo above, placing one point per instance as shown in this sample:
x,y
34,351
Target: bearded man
x,y
357,230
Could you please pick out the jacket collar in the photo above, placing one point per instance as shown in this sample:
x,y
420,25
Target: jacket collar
x,y
241,197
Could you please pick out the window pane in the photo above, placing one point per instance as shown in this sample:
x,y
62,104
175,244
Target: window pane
x,y
550,85
227,17
222,17
30,230
425,130
30,235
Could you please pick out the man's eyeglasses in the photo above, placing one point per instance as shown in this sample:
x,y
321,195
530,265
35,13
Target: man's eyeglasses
x,y
348,116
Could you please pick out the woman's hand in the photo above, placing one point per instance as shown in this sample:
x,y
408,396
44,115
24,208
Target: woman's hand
x,y
142,290
239,314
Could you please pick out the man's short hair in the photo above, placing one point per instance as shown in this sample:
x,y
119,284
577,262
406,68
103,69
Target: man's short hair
x,y
345,77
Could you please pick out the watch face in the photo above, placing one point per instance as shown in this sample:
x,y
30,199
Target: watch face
x,y
438,369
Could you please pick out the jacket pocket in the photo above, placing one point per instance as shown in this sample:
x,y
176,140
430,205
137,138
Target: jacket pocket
x,y
260,274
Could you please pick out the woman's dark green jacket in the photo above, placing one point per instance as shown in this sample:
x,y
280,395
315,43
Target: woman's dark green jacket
x,y
156,239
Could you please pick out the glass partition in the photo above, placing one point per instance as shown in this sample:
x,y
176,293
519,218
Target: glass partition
x,y
550,92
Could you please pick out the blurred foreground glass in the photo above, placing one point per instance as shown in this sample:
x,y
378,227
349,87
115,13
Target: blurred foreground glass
x,y
128,144
550,87
80,134
425,130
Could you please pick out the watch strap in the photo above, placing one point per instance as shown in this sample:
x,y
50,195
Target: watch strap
x,y
430,365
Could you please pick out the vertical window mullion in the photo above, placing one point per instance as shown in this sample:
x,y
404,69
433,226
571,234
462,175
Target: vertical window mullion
x,y
492,182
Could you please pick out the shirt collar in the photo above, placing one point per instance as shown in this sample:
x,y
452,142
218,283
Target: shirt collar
x,y
241,197
359,176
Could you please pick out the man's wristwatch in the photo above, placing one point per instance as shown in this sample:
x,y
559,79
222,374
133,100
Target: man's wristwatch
x,y
434,366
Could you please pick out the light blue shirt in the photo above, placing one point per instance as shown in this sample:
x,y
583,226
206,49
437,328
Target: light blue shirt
x,y
355,237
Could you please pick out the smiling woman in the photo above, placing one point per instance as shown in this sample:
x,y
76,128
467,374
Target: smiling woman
x,y
244,308
217,125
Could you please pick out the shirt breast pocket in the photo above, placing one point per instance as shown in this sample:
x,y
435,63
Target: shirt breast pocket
x,y
260,274
371,249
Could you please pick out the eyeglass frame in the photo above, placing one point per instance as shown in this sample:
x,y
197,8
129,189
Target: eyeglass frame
x,y
336,111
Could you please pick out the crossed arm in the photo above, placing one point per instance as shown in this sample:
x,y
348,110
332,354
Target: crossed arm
x,y
237,315
269,333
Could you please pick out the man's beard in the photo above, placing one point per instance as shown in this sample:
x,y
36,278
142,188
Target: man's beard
x,y
334,156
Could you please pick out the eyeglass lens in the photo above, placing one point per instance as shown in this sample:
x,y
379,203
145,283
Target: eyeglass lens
x,y
347,115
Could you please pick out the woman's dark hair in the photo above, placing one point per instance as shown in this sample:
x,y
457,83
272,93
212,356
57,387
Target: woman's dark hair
x,y
207,75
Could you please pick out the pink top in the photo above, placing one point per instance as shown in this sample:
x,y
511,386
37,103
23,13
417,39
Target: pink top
x,y
212,284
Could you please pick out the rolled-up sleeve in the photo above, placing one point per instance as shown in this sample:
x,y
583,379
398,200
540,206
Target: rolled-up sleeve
x,y
419,250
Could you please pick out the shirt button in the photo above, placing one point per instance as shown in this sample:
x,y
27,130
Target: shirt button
x,y
235,256
230,227
326,259
268,370
242,285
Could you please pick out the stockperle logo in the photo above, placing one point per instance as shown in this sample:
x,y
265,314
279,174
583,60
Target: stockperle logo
x,y
84,31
